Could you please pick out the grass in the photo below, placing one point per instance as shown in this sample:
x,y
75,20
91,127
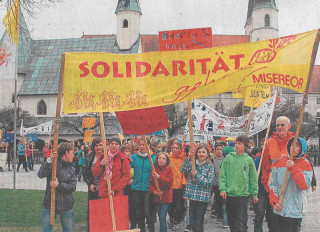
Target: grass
x,y
21,210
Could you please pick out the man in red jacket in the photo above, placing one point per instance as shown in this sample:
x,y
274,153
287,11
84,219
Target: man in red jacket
x,y
275,148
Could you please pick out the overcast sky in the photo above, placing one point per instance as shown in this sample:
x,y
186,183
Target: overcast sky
x,y
72,18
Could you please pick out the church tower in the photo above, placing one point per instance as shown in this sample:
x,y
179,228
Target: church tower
x,y
262,20
128,23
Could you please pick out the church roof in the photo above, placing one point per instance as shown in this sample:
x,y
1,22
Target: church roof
x,y
257,4
25,43
44,61
124,5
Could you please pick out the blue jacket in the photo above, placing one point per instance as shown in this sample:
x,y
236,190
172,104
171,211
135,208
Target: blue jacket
x,y
82,158
21,149
200,188
142,170
299,181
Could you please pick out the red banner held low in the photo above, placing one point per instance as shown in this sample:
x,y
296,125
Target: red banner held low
x,y
100,215
142,122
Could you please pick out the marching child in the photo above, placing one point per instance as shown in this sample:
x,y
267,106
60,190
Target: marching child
x,y
176,208
143,202
293,204
238,180
198,188
164,174
65,185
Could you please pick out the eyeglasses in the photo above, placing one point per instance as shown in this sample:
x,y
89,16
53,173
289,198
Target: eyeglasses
x,y
278,125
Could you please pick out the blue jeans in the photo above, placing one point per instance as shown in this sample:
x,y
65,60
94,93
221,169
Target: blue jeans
x,y
80,172
162,210
237,213
66,219
260,209
197,210
224,212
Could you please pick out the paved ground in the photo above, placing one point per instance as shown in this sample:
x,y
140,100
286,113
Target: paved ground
x,y
30,181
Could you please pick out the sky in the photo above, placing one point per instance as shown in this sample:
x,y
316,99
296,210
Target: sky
x,y
72,18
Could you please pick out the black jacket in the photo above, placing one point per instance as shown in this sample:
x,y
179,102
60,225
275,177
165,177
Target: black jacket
x,y
66,175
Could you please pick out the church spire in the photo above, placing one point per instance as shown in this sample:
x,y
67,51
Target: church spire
x,y
125,5
258,4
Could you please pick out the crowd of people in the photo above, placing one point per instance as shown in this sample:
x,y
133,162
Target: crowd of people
x,y
224,179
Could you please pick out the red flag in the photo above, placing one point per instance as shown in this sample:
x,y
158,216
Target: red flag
x,y
136,140
142,122
100,215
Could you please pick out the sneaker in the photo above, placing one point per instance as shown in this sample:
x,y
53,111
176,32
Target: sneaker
x,y
225,226
187,229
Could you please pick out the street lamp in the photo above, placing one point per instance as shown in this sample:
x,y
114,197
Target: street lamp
x,y
318,124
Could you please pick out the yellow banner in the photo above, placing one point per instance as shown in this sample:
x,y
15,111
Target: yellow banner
x,y
87,136
88,122
11,21
103,82
254,95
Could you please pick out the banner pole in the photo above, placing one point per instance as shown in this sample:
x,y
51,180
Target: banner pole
x,y
105,152
56,137
151,163
305,95
249,121
193,158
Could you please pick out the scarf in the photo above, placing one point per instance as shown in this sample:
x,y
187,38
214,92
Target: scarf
x,y
143,154
109,168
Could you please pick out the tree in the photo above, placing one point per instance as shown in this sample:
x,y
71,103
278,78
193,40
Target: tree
x,y
7,118
177,115
32,7
74,124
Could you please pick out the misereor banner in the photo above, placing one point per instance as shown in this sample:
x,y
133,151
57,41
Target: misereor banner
x,y
207,121
104,82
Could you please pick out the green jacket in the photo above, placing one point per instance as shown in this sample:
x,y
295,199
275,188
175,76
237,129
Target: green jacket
x,y
238,175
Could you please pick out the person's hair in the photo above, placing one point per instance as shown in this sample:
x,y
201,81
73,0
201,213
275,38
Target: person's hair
x,y
124,147
135,148
95,141
243,139
153,147
223,143
284,118
218,145
187,149
254,151
141,139
205,146
169,144
156,163
63,148
177,143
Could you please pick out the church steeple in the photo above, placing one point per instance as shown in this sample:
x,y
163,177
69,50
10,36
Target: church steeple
x,y
125,5
262,20
128,23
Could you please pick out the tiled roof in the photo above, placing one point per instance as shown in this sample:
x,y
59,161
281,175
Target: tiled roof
x,y
25,42
314,85
43,71
150,43
225,40
124,5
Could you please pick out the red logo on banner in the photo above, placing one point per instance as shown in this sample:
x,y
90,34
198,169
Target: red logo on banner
x,y
185,39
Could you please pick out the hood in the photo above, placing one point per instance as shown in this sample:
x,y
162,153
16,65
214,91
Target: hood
x,y
235,154
181,155
303,144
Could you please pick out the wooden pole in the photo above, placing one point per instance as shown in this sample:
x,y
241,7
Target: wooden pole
x,y
114,226
242,103
193,159
151,163
56,137
132,144
305,95
249,121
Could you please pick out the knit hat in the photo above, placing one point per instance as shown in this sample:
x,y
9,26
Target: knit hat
x,y
115,139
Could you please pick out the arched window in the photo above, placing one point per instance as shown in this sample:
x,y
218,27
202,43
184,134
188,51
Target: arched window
x,y
125,23
267,20
42,108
